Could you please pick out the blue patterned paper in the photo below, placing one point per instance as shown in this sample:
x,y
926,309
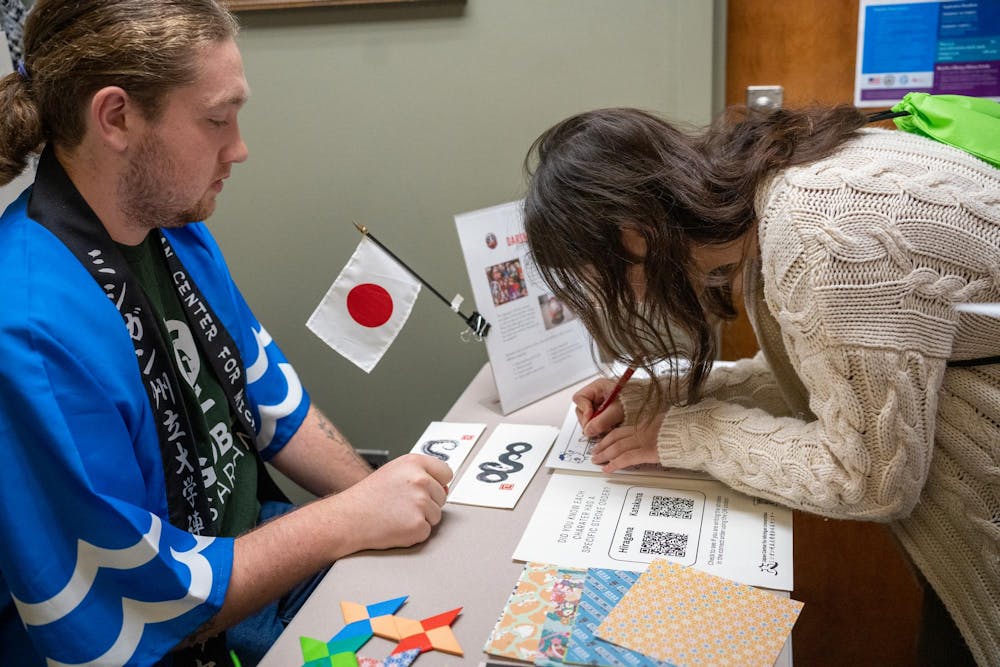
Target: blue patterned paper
x,y
602,590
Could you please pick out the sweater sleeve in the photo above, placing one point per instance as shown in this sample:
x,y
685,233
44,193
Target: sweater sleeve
x,y
862,287
866,455
747,382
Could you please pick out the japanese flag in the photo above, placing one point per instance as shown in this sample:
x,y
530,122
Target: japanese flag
x,y
366,306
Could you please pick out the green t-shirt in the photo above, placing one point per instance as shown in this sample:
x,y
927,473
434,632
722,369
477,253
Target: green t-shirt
x,y
229,468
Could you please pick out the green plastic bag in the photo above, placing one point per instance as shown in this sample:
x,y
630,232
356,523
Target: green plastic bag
x,y
969,123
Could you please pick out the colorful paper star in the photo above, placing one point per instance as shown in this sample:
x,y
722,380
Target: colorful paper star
x,y
341,650
362,622
318,653
374,619
431,633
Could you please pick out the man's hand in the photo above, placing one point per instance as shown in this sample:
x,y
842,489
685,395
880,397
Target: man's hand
x,y
395,506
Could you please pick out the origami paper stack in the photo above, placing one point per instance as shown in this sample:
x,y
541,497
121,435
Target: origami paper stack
x,y
667,615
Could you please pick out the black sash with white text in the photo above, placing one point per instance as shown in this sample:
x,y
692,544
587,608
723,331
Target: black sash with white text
x,y
57,205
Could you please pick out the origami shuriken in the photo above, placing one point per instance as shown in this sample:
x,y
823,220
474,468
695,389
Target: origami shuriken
x,y
431,633
318,653
374,619
341,649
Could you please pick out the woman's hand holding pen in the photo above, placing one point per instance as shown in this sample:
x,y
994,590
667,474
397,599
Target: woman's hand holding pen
x,y
589,399
630,445
595,398
620,446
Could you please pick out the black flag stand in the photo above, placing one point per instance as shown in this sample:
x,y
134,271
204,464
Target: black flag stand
x,y
478,326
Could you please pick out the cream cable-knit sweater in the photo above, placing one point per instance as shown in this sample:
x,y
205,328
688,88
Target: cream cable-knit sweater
x,y
849,410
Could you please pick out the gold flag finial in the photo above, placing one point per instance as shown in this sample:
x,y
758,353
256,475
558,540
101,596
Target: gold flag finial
x,y
361,228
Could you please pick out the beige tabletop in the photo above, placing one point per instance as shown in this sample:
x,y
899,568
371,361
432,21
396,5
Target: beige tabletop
x,y
465,563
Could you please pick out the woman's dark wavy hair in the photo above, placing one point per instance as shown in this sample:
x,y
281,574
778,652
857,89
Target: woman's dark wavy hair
x,y
598,173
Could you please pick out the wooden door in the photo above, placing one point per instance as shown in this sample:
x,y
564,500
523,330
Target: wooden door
x,y
862,600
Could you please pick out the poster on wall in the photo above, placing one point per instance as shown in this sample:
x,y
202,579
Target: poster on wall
x,y
926,46
536,345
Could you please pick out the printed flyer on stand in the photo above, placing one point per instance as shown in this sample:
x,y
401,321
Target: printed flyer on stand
x,y
536,345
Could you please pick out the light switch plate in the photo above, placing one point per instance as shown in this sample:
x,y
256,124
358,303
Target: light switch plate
x,y
765,97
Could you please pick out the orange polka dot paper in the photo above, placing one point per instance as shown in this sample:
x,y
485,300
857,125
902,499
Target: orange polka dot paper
x,y
689,618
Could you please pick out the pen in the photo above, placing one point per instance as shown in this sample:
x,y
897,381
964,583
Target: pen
x,y
614,392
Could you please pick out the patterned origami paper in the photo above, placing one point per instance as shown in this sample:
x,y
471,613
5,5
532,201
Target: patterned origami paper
x,y
404,659
431,633
554,638
687,617
518,630
602,590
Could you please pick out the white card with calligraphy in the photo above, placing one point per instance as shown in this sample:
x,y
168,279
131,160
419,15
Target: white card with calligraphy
x,y
449,441
503,468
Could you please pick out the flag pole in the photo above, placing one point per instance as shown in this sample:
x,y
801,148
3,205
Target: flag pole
x,y
477,323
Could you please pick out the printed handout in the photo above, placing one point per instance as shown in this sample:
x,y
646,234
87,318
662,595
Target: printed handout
x,y
586,520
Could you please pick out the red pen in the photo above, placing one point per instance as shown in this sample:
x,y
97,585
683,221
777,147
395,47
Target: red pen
x,y
614,392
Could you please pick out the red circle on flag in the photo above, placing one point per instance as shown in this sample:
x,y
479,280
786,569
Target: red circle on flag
x,y
370,305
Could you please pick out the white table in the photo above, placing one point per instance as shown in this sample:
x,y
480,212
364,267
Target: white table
x,y
465,563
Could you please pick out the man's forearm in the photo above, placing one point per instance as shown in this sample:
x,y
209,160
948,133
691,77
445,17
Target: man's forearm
x,y
319,458
273,558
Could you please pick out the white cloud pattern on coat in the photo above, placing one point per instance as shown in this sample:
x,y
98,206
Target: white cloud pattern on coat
x,y
270,414
136,614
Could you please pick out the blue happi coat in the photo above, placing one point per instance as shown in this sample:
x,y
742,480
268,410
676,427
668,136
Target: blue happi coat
x,y
88,559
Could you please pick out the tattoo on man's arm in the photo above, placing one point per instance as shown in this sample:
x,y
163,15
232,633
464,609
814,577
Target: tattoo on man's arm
x,y
330,430
334,434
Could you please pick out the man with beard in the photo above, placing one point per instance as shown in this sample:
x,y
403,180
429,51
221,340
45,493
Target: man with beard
x,y
138,393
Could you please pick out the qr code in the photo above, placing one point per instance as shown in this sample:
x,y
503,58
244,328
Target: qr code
x,y
672,507
662,543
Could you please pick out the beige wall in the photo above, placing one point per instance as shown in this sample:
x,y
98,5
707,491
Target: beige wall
x,y
400,117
